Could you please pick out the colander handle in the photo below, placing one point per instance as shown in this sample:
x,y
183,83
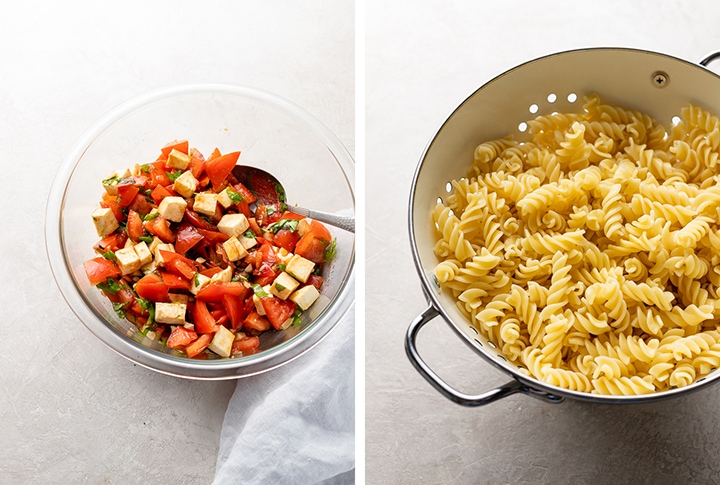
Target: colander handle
x,y
449,392
710,58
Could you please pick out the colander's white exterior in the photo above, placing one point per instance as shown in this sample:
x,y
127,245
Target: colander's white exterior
x,y
625,77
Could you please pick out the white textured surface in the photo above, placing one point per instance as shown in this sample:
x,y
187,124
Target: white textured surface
x,y
424,58
71,410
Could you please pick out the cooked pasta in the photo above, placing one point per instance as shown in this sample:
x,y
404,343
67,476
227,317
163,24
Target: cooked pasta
x,y
590,253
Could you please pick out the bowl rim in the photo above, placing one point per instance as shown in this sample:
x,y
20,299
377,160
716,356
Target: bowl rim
x,y
127,347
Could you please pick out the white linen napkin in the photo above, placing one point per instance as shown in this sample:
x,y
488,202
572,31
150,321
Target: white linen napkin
x,y
295,424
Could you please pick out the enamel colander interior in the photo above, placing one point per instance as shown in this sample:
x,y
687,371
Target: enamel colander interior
x,y
556,83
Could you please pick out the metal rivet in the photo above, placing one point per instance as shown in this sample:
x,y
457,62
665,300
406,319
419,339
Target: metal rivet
x,y
660,79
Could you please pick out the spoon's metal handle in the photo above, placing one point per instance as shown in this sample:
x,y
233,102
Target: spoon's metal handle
x,y
343,222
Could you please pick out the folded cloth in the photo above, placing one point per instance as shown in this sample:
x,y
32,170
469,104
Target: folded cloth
x,y
295,424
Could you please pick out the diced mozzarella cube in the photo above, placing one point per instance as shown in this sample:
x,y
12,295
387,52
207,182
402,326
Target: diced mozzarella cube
x,y
305,296
300,268
233,224
148,268
222,342
248,242
198,282
223,276
185,184
177,159
283,256
143,252
171,313
234,249
178,298
104,220
283,285
224,198
127,260
164,247
303,227
154,244
172,208
258,304
110,183
205,203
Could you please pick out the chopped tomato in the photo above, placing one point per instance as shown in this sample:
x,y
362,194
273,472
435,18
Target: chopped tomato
x,y
268,253
292,215
215,291
152,287
199,345
267,214
213,237
181,337
277,310
159,193
265,274
286,239
99,269
244,192
194,218
215,154
113,242
179,145
160,227
158,174
315,280
254,226
187,237
126,193
110,202
311,247
212,271
178,264
255,321
220,167
235,309
175,282
141,204
134,225
246,345
197,163
203,319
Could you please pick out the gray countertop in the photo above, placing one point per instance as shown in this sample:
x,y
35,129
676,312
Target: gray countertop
x,y
424,58
72,411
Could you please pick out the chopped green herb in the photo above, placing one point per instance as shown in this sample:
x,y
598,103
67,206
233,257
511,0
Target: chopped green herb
x,y
287,224
249,234
281,266
238,277
150,216
270,210
111,180
111,286
145,239
173,176
197,279
258,290
330,250
147,306
234,196
279,287
280,192
119,309
109,255
145,167
296,317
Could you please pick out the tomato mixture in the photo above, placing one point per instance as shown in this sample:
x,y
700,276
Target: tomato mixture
x,y
195,262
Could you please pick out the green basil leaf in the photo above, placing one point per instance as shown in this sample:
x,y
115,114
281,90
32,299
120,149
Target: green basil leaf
x,y
110,285
258,290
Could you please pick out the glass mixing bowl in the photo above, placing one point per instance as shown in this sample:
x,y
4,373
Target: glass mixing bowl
x,y
272,133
